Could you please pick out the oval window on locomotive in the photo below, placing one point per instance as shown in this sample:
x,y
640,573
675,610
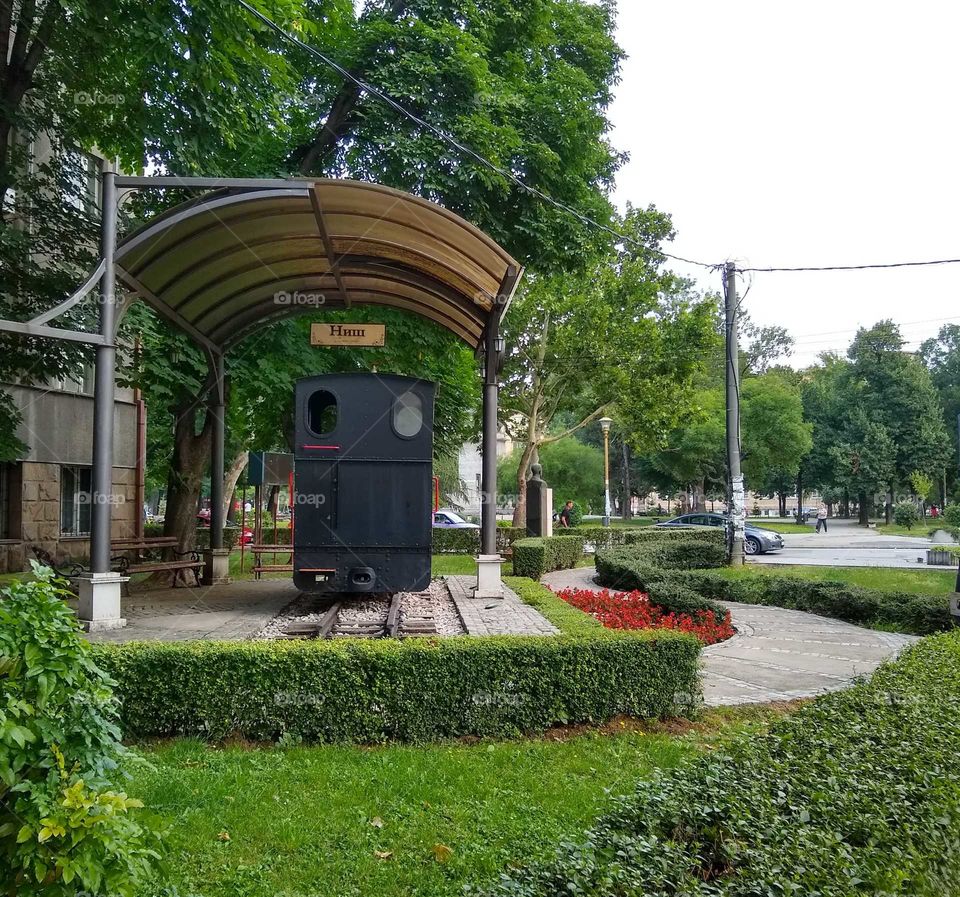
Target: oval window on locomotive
x,y
407,415
322,413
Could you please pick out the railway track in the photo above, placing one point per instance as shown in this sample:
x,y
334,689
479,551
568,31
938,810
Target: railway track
x,y
374,618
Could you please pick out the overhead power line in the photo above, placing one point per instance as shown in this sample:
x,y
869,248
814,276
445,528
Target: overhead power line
x,y
448,138
857,267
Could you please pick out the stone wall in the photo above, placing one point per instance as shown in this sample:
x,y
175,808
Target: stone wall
x,y
35,510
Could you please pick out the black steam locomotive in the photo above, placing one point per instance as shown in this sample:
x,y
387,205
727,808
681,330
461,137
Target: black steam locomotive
x,y
363,466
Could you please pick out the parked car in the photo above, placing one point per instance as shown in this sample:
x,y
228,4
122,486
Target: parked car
x,y
447,519
757,540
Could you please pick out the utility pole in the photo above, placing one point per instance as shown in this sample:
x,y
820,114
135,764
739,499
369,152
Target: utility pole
x,y
735,485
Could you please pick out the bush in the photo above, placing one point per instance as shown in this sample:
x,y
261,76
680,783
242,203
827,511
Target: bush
x,y
905,513
600,536
901,611
63,829
951,516
534,557
851,795
467,541
412,690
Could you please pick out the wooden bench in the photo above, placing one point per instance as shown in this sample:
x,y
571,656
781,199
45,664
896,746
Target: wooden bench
x,y
189,560
126,566
259,567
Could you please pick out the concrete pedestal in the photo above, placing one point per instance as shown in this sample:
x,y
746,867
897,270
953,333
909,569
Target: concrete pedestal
x,y
489,582
216,566
99,605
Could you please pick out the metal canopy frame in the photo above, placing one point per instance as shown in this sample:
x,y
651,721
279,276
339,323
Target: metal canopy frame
x,y
466,285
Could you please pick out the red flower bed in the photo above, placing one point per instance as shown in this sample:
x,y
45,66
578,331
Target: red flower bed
x,y
634,610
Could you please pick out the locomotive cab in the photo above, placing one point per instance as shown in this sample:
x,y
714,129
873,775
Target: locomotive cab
x,y
363,466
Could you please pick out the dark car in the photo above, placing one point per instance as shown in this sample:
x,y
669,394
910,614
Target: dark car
x,y
757,540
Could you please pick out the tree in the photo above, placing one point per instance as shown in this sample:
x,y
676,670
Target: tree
x,y
623,338
900,395
775,436
572,469
78,74
941,355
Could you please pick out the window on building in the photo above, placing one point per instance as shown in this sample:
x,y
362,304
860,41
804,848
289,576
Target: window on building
x,y
75,501
83,180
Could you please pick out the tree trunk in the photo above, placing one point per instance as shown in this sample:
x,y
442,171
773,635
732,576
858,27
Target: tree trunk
x,y
800,517
230,481
888,506
191,454
845,505
523,469
864,517
626,511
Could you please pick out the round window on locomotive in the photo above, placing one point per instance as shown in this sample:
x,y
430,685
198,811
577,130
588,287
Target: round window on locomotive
x,y
322,413
408,415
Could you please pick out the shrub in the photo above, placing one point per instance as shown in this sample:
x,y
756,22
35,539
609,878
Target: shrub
x,y
467,541
904,612
951,515
602,536
456,541
231,537
905,513
534,557
849,796
63,829
412,690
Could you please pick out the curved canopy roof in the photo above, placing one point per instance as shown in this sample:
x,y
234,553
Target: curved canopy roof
x,y
222,264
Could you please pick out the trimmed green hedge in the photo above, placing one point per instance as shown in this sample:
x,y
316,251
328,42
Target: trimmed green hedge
x,y
412,690
534,557
467,541
855,794
905,612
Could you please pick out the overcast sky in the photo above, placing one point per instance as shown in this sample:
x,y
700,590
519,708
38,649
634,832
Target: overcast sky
x,y
814,134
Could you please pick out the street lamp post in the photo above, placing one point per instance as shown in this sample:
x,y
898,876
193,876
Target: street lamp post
x,y
605,426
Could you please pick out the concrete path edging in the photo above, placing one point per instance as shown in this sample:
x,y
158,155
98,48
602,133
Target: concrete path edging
x,y
777,654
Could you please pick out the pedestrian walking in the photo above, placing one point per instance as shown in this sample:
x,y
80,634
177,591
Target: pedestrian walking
x,y
822,517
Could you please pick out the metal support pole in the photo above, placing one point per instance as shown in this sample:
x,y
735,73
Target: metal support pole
x,y
102,475
735,486
217,409
488,507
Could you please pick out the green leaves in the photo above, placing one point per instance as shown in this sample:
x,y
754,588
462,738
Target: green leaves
x,y
60,822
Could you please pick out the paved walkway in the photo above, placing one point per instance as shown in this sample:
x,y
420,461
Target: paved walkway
x,y
777,654
484,616
847,544
236,610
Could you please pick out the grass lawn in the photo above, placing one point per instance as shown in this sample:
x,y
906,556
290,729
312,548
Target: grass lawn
x,y
915,582
919,530
395,820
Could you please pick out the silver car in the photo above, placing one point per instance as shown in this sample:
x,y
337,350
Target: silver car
x,y
756,540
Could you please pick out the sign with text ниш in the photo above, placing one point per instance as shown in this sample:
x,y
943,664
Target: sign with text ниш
x,y
348,334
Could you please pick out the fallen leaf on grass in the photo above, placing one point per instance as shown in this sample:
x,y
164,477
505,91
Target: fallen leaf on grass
x,y
376,822
383,854
223,836
442,853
